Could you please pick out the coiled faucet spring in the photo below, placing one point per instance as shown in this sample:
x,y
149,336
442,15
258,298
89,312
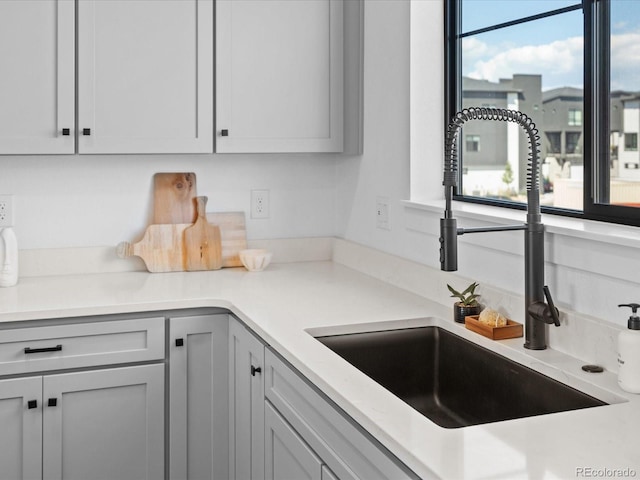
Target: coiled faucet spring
x,y
497,114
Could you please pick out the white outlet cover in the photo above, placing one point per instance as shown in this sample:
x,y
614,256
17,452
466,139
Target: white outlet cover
x,y
382,213
6,210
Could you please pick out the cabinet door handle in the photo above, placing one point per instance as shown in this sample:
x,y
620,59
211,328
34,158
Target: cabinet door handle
x,y
86,131
28,350
224,132
66,131
32,404
255,370
179,342
52,402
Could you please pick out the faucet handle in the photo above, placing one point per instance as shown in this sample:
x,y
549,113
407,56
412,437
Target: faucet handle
x,y
545,312
552,308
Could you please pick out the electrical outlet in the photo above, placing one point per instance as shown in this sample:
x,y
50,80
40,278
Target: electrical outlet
x,y
6,210
382,213
259,203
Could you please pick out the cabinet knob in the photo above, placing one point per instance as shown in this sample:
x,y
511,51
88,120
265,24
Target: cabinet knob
x,y
255,370
224,133
86,131
32,404
179,342
52,402
66,132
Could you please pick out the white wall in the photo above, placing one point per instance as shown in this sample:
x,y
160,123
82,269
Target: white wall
x,y
90,201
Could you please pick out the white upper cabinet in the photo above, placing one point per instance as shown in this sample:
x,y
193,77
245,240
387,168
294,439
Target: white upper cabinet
x,y
279,76
145,76
37,81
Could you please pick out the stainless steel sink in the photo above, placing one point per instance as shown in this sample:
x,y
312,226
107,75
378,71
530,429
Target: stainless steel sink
x,y
453,381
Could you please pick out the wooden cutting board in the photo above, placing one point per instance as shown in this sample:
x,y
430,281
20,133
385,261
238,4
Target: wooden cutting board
x,y
161,248
202,245
174,198
233,235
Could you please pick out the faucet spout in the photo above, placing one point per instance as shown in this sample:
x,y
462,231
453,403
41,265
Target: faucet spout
x,y
537,313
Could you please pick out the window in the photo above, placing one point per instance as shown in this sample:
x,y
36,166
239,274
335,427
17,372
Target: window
x,y
575,117
554,140
572,142
568,65
472,143
631,142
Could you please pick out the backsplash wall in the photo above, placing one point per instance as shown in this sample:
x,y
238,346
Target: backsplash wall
x,y
100,200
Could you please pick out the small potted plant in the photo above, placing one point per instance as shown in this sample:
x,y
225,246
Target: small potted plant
x,y
467,303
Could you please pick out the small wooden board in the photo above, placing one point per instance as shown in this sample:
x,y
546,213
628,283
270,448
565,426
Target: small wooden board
x,y
174,198
202,242
510,330
233,235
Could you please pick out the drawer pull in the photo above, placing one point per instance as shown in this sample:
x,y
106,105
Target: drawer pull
x,y
53,402
255,370
179,342
32,404
28,350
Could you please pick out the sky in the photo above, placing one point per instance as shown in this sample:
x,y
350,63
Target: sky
x,y
551,47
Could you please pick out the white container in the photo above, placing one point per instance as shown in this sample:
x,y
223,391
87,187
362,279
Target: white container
x,y
629,353
8,258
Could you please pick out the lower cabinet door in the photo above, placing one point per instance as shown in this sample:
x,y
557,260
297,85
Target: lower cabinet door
x,y
21,428
246,404
104,424
287,456
198,397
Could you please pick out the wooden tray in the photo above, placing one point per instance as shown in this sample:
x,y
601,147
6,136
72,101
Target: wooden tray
x,y
510,330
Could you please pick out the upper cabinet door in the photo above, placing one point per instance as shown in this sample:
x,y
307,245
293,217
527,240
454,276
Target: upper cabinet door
x,y
145,76
279,76
37,84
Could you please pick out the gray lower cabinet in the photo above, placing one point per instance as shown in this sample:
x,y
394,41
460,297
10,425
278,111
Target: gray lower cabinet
x,y
301,419
21,431
246,404
198,397
288,457
84,425
104,424
76,402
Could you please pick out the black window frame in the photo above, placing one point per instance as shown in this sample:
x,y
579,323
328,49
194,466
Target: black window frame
x,y
595,114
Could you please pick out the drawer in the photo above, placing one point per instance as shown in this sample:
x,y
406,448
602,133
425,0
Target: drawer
x,y
55,347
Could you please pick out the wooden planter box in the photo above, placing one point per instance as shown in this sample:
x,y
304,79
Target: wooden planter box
x,y
510,330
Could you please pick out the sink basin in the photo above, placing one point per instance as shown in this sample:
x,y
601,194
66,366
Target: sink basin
x,y
452,381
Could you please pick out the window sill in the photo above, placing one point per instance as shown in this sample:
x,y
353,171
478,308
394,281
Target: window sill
x,y
621,235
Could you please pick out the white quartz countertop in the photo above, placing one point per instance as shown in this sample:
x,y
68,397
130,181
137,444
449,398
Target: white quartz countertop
x,y
285,301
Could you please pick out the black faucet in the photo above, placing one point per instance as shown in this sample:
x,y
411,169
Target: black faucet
x,y
537,313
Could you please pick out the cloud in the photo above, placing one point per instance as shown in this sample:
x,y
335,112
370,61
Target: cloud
x,y
559,62
625,61
560,57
